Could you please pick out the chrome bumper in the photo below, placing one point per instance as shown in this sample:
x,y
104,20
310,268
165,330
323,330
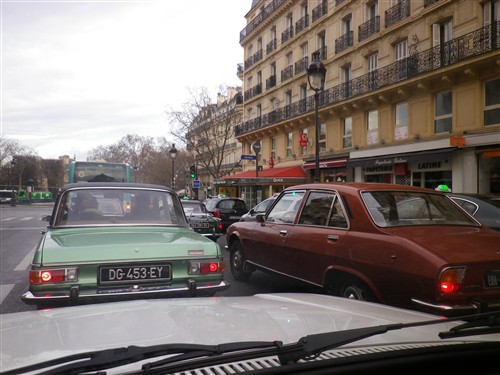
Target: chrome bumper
x,y
470,308
192,289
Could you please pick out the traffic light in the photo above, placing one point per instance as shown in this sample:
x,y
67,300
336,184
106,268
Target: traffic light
x,y
192,171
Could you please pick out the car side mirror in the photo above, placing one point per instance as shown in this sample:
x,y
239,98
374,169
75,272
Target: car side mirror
x,y
260,218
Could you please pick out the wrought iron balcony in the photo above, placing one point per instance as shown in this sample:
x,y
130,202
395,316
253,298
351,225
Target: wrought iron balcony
x,y
302,24
239,69
397,13
320,11
301,65
368,28
256,90
270,82
271,46
344,42
287,73
428,3
321,52
261,17
249,62
478,42
287,35
257,56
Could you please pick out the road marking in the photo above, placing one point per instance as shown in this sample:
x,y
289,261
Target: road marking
x,y
8,219
5,290
26,262
26,218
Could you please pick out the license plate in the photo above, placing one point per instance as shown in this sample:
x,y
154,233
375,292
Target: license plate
x,y
135,274
234,217
200,225
492,279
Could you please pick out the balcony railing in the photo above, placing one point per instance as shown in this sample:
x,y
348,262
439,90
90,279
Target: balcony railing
x,y
321,53
473,44
287,73
270,82
301,65
428,3
271,46
344,42
287,35
249,62
250,93
302,24
261,17
239,69
320,11
257,56
397,13
368,28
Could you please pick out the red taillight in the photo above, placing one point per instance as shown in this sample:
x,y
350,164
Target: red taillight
x,y
217,213
220,225
451,280
53,275
204,268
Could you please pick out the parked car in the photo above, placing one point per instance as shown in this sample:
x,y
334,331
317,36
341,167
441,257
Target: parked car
x,y
229,210
258,209
398,245
201,220
115,241
484,207
264,334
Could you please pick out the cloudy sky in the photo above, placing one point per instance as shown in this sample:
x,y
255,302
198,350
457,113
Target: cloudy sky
x,y
79,74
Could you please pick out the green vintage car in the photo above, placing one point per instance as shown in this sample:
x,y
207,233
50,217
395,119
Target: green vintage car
x,y
117,241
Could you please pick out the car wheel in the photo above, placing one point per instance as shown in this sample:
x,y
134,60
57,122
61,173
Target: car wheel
x,y
356,289
237,262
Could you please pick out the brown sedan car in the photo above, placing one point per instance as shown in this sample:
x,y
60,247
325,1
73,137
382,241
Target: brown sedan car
x,y
393,244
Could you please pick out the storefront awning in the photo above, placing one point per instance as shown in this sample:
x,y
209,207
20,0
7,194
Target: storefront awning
x,y
337,163
289,172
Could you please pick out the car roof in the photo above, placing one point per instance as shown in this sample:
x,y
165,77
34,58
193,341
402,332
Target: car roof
x,y
117,185
359,186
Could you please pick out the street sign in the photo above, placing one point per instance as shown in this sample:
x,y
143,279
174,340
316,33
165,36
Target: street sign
x,y
248,157
196,184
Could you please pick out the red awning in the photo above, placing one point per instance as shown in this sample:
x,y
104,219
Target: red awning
x,y
326,164
289,172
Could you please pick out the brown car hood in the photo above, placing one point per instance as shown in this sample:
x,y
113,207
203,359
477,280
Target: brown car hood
x,y
456,245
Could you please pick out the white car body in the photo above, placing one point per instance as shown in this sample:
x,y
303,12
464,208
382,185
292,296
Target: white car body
x,y
34,336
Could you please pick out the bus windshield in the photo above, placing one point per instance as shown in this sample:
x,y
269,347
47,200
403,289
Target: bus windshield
x,y
81,171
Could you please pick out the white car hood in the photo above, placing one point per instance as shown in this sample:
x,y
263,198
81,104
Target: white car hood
x,y
34,336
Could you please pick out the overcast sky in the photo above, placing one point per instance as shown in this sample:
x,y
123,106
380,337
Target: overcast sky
x,y
79,74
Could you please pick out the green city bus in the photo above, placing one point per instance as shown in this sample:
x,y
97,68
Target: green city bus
x,y
90,171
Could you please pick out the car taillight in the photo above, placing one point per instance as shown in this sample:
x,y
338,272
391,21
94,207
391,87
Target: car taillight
x,y
450,280
204,268
220,225
59,275
217,213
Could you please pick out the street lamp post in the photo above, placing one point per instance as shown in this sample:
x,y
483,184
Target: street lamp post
x,y
316,73
256,148
173,154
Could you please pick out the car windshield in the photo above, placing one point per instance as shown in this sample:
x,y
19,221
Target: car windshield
x,y
401,208
117,207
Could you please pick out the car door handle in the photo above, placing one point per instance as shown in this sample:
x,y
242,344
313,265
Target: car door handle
x,y
283,232
333,237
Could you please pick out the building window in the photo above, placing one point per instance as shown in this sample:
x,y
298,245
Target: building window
x,y
401,121
372,127
400,55
347,132
322,138
443,112
372,71
289,145
492,102
491,12
273,147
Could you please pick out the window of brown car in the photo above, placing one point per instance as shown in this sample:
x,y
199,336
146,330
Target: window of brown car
x,y
323,208
286,208
401,208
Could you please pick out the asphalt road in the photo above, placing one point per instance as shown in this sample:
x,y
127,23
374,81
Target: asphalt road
x,y
20,228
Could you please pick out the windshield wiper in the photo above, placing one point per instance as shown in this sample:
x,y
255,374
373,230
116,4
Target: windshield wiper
x,y
308,347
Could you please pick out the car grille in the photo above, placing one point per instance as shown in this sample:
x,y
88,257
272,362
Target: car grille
x,y
265,363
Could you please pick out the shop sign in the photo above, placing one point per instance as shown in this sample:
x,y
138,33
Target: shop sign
x,y
430,165
303,139
457,141
381,162
278,180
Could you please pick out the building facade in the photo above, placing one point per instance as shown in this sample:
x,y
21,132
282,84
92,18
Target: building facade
x,y
411,96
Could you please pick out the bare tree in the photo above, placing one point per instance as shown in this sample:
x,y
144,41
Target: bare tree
x,y
207,128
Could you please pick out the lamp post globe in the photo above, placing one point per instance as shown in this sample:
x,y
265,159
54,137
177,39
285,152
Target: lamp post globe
x,y
316,73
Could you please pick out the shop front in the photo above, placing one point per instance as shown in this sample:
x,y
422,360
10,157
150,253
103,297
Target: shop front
x,y
254,189
427,169
330,170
